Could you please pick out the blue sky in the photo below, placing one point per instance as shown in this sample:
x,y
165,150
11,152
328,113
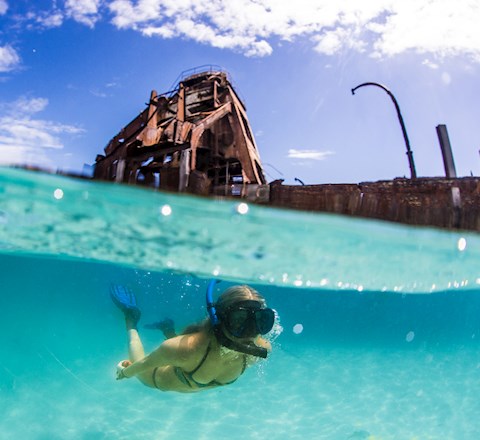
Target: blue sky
x,y
73,72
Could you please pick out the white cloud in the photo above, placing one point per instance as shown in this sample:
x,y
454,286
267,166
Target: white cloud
x,y
25,106
441,27
83,11
377,28
242,25
9,59
308,154
50,20
3,7
86,12
33,20
381,28
430,64
334,41
259,49
98,93
25,139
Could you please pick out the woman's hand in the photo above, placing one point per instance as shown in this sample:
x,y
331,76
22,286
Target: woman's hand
x,y
120,367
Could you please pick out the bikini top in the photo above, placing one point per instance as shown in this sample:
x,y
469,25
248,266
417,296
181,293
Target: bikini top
x,y
188,379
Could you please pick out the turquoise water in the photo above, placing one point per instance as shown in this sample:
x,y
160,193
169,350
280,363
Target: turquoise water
x,y
390,316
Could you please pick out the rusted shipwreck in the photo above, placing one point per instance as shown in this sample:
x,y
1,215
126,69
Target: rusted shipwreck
x,y
195,138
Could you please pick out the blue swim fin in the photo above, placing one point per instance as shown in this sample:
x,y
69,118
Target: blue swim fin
x,y
126,301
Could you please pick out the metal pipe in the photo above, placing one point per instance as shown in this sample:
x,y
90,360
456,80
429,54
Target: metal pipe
x,y
299,181
409,153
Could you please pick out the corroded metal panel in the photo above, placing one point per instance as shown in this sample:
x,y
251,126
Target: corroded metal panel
x,y
440,202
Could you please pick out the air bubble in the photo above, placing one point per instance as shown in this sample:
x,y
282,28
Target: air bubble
x,y
166,210
242,208
462,244
297,329
58,193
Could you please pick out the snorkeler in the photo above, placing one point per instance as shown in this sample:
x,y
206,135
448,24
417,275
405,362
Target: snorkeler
x,y
212,353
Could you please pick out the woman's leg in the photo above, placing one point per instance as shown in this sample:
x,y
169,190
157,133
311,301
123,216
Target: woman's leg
x,y
167,326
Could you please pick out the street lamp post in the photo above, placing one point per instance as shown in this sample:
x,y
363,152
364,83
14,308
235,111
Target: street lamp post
x,y
411,163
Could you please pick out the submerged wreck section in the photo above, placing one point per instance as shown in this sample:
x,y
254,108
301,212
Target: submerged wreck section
x,y
196,138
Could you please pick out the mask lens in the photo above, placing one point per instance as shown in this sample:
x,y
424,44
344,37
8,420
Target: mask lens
x,y
264,318
237,321
247,322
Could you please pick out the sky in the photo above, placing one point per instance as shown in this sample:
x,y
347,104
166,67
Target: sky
x,y
74,72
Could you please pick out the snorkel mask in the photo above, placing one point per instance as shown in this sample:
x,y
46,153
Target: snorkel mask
x,y
245,319
248,319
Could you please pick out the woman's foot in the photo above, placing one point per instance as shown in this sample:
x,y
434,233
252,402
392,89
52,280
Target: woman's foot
x,y
167,326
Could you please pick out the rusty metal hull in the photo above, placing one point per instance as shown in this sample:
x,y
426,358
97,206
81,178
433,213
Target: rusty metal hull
x,y
439,202
196,139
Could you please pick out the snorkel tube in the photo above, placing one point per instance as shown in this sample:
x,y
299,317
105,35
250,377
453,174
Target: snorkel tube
x,y
247,348
212,312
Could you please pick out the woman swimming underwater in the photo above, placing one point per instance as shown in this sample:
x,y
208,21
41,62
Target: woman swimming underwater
x,y
212,353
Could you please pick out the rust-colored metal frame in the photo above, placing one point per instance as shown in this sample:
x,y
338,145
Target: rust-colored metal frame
x,y
196,138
